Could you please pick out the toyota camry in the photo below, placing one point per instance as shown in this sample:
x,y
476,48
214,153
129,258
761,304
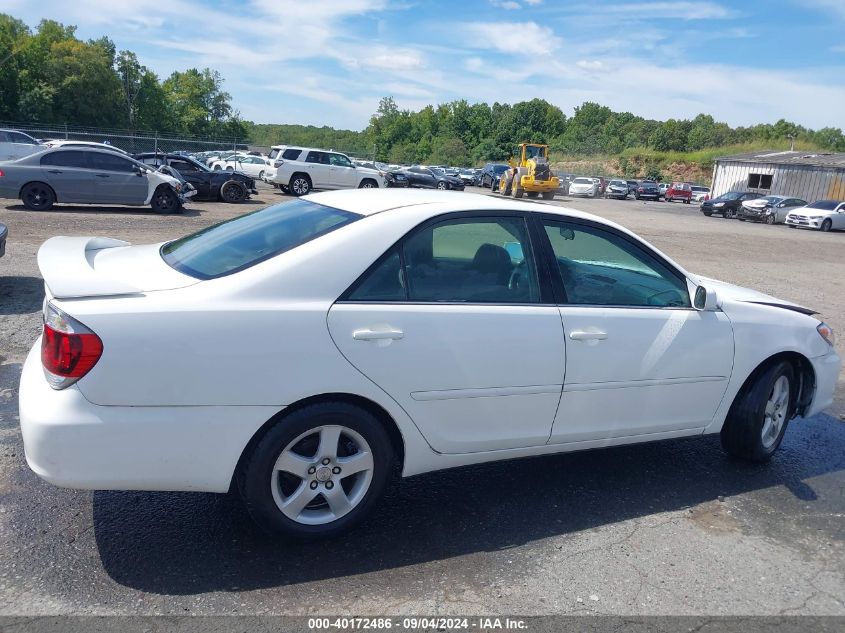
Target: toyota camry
x,y
302,353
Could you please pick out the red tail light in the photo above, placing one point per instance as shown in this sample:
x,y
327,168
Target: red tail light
x,y
1,173
68,349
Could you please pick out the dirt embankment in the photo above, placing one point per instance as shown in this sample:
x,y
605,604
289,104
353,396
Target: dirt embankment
x,y
632,168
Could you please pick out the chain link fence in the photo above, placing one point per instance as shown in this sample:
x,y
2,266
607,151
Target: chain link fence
x,y
128,140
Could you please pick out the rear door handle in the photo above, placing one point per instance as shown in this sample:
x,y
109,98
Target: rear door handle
x,y
54,171
588,335
101,175
367,334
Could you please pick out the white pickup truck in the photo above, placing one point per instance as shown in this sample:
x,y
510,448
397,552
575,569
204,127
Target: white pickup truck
x,y
302,169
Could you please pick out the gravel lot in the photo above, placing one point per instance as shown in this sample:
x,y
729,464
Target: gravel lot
x,y
667,528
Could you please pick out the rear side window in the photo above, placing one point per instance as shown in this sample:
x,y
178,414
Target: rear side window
x,y
291,154
244,241
66,158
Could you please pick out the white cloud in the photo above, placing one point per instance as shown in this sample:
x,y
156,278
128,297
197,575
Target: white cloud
x,y
521,38
507,5
533,2
592,65
661,10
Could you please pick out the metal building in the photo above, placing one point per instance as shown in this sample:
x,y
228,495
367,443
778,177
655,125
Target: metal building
x,y
806,175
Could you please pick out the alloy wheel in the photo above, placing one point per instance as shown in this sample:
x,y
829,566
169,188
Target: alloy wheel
x,y
774,416
322,475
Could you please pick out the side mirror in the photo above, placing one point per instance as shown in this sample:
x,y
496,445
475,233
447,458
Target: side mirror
x,y
705,300
140,171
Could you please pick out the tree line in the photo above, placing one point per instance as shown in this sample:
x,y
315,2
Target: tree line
x,y
48,75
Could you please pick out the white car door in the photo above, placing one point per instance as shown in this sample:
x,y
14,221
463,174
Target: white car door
x,y
319,169
452,325
639,359
838,217
343,174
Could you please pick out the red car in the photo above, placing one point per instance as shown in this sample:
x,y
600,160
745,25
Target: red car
x,y
679,191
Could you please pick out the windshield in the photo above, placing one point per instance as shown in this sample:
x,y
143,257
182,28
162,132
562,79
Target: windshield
x,y
618,183
827,205
195,163
498,169
582,181
244,241
733,195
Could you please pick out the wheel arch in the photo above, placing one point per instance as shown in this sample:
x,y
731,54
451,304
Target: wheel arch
x,y
387,421
803,369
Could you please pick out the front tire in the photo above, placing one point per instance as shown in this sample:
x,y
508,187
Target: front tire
x,y
37,196
548,195
232,192
165,200
317,472
760,414
826,225
442,185
368,183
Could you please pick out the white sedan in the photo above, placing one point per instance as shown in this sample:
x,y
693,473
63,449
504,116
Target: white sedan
x,y
305,352
824,215
254,166
584,187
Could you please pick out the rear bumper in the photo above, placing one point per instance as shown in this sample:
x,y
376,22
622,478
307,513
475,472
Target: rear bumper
x,y
72,443
827,370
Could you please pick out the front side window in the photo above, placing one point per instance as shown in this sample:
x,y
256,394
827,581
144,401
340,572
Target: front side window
x,y
339,160
110,162
598,267
244,241
468,260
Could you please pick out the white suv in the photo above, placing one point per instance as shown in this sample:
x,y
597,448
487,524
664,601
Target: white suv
x,y
301,169
15,145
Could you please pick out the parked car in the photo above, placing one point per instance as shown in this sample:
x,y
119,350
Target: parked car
x,y
468,176
617,189
727,204
678,191
632,186
431,178
490,174
661,189
364,293
4,233
254,166
602,183
62,143
564,179
210,185
700,193
823,215
647,189
769,209
582,186
302,169
89,176
15,145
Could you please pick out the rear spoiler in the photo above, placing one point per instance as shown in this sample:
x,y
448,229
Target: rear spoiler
x,y
67,266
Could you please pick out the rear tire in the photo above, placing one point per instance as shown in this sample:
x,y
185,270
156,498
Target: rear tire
x,y
760,413
548,195
317,441
165,200
300,185
37,196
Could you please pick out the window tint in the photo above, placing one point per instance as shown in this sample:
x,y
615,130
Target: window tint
x,y
182,165
17,137
339,161
385,282
246,240
291,154
273,153
827,205
65,158
478,260
598,267
317,157
110,162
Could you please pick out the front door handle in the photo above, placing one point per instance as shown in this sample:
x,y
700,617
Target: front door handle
x,y
588,335
54,171
101,175
367,334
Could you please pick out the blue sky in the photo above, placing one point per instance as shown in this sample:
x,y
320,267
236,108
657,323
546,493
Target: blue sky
x,y
327,62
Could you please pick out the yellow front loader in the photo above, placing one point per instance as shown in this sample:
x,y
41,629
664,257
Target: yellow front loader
x,y
530,173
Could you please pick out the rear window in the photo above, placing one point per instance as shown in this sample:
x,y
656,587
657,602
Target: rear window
x,y
244,241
